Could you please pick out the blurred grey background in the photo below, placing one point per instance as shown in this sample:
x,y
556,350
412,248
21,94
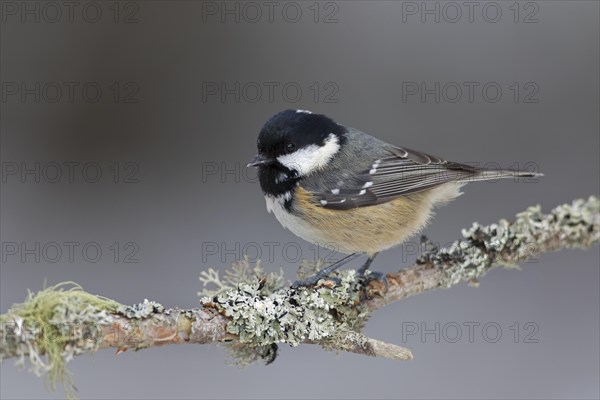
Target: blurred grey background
x,y
164,100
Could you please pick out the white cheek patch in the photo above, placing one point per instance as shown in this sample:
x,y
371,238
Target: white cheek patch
x,y
311,158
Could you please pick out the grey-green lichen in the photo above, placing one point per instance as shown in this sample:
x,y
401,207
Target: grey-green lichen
x,y
261,316
240,272
59,322
141,310
243,355
344,339
286,316
51,327
532,232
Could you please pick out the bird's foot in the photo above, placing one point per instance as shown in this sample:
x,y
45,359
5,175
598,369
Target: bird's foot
x,y
324,273
375,283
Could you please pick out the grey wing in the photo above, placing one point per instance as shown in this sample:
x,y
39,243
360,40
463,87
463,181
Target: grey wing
x,y
400,172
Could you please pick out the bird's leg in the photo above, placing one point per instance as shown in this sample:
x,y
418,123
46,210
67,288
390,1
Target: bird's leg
x,y
373,275
311,280
361,271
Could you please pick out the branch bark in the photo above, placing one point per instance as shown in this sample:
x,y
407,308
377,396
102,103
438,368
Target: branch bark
x,y
531,234
254,317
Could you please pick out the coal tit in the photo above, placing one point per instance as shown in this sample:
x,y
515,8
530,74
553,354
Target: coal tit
x,y
335,185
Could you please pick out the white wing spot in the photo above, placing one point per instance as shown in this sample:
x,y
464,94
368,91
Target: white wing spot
x,y
335,191
303,112
372,171
367,185
362,192
323,202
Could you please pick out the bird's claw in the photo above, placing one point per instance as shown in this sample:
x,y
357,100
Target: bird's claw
x,y
375,284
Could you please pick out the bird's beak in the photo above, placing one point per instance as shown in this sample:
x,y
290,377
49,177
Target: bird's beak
x,y
257,160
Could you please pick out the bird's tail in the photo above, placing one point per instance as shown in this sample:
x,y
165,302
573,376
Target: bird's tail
x,y
493,174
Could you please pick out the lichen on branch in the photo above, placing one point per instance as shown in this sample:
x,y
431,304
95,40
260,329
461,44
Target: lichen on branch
x,y
252,311
57,322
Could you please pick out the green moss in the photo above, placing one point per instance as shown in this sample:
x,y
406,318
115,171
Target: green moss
x,y
59,322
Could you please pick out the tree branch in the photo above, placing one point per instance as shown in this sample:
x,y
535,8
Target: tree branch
x,y
252,312
532,233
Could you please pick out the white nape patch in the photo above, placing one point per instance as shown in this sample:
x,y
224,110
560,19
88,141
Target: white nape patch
x,y
311,158
335,191
303,112
367,185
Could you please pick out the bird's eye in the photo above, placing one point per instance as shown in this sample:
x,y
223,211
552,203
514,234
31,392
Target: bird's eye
x,y
290,147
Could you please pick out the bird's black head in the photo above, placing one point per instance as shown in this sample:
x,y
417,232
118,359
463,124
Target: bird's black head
x,y
293,144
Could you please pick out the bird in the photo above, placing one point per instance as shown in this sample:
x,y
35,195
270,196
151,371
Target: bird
x,y
339,187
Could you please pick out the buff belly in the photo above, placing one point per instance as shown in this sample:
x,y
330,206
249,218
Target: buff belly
x,y
361,230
